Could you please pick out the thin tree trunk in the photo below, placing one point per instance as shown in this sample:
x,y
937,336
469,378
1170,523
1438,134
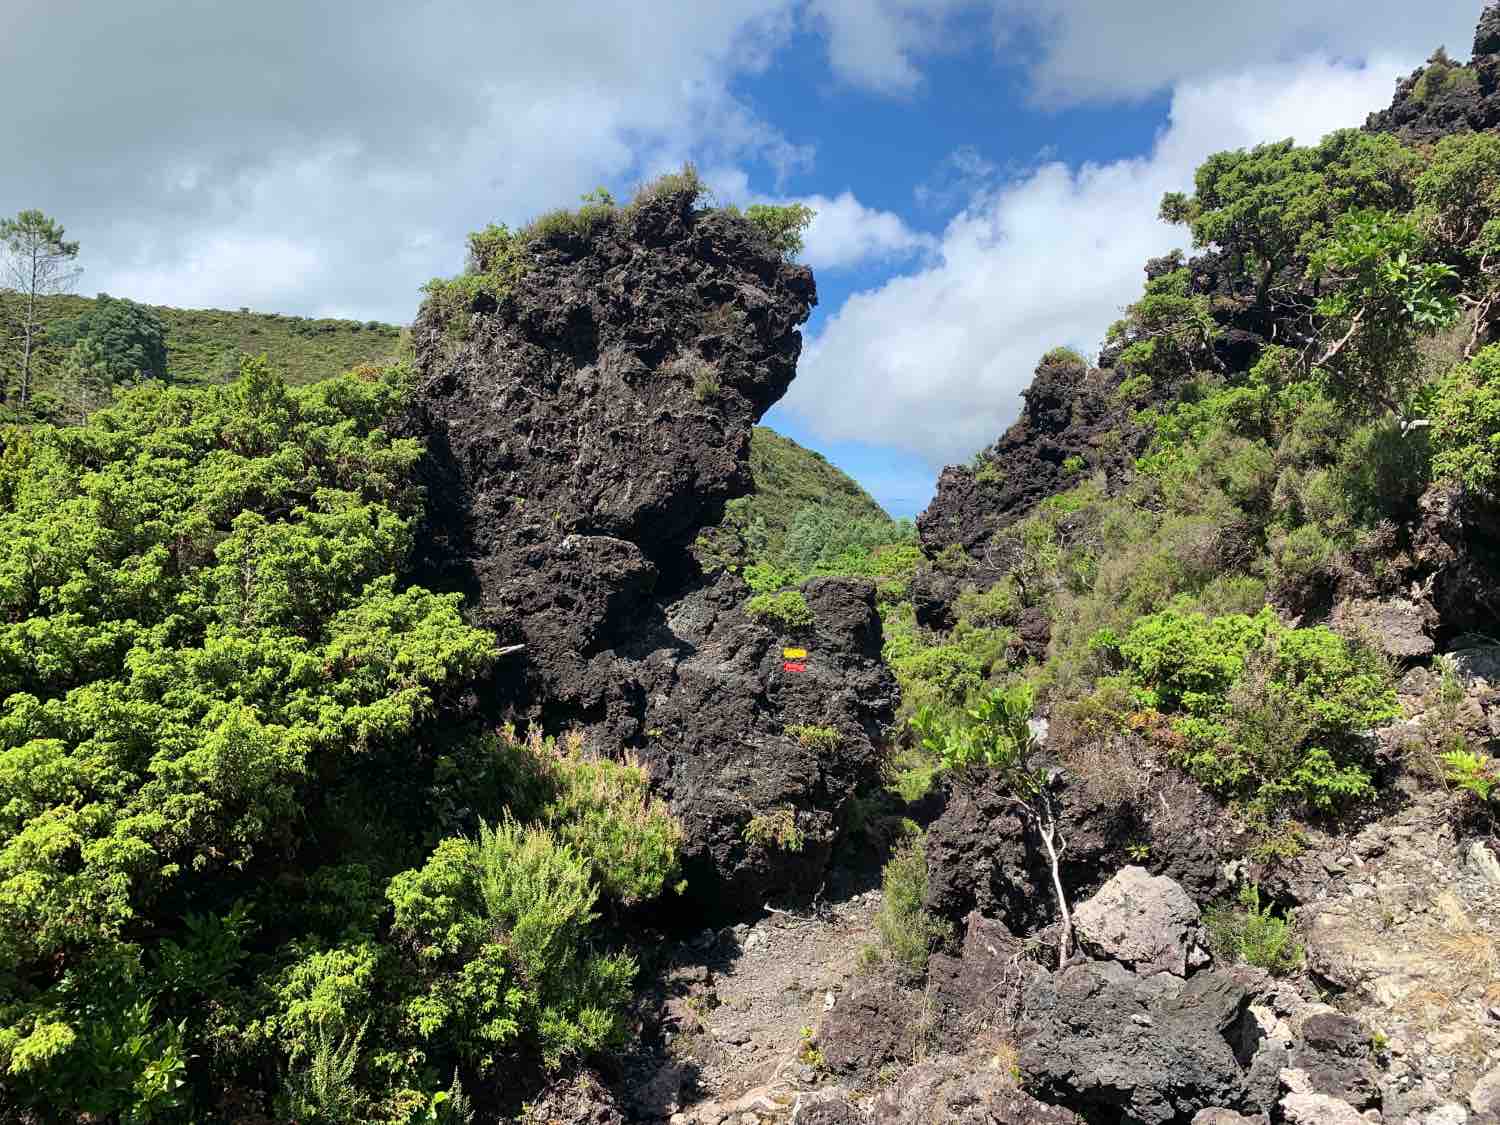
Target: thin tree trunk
x,y
1047,830
30,330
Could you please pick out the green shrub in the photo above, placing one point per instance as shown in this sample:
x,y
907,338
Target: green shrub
x,y
783,226
995,733
1252,934
605,812
777,828
1265,713
1466,423
816,738
1073,465
787,610
908,933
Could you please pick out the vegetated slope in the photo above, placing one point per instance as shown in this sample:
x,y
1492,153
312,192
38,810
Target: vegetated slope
x,y
206,345
1244,569
268,850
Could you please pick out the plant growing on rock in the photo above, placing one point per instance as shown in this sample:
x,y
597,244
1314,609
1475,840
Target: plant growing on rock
x,y
787,610
778,828
995,735
908,933
1249,932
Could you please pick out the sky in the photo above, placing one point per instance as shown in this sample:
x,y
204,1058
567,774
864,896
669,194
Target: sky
x,y
985,173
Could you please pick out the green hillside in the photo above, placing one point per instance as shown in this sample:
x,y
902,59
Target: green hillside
x,y
204,345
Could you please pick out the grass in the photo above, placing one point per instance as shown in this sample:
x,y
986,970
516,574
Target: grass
x,y
204,345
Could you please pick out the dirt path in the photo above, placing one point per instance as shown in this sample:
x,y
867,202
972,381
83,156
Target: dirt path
x,y
725,1025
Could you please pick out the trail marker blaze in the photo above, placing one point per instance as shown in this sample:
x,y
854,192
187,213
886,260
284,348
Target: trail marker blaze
x,y
794,666
794,653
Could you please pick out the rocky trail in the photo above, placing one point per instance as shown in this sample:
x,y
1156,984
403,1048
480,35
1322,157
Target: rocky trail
x,y
728,1024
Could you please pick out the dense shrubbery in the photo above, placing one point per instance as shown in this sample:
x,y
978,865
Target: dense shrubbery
x,y
1260,711
243,845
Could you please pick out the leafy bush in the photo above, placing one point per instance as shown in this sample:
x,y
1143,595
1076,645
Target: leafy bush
x,y
1476,774
783,226
1250,933
995,733
1466,423
786,610
908,933
1265,713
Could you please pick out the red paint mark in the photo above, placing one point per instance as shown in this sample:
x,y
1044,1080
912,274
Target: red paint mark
x,y
793,666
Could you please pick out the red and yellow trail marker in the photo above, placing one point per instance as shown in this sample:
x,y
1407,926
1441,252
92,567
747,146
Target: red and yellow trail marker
x,y
794,660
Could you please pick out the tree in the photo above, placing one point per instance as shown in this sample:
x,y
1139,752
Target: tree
x,y
1458,209
1381,298
38,262
784,226
130,338
1268,207
86,379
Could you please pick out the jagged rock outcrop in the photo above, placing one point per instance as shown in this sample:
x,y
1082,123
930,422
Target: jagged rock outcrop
x,y
983,856
581,431
1443,98
1070,411
1149,1050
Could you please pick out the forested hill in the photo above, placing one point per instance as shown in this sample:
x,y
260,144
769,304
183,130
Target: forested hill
x,y
206,345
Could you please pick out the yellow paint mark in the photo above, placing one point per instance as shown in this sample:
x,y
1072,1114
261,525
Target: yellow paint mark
x,y
794,653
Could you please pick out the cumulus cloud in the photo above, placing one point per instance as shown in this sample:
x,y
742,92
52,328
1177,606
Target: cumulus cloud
x,y
328,158
878,43
933,361
1101,50
845,233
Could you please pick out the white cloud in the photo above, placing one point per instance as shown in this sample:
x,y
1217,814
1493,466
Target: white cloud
x,y
1104,50
933,361
330,157
875,43
1101,50
846,233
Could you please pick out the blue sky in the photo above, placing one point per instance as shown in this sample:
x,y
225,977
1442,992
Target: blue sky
x,y
986,172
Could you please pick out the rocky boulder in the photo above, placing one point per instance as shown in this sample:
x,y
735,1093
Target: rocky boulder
x,y
1145,922
1456,552
581,429
1138,1050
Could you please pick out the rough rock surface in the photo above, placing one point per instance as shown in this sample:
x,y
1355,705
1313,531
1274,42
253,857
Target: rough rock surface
x,y
1151,1050
1468,105
1069,410
578,1098
580,433
982,855
956,1091
870,1027
1145,922
1456,549
1399,627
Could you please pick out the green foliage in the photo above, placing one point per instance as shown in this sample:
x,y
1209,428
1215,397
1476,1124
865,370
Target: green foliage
x,y
131,339
1259,711
208,345
1074,464
787,611
604,811
778,828
908,933
1272,205
994,734
1440,75
1466,423
498,259
1380,298
1476,774
783,226
1458,198
796,485
1168,332
1253,934
815,737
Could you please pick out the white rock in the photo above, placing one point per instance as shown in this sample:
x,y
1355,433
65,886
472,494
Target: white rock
x,y
1485,1097
1144,921
1479,859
